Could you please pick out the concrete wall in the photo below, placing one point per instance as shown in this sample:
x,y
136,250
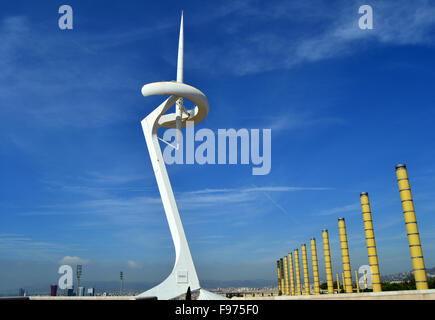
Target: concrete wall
x,y
386,295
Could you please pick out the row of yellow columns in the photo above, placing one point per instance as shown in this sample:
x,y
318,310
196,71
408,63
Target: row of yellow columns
x,y
287,286
289,278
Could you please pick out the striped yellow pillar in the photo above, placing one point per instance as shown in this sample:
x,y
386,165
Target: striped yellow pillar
x,y
357,283
305,266
370,239
411,228
292,275
298,274
315,266
281,267
347,282
286,286
328,266
338,284
278,267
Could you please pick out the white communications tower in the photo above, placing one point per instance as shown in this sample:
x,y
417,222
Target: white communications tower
x,y
183,274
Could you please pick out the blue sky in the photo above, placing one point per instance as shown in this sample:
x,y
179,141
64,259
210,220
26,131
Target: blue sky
x,y
344,105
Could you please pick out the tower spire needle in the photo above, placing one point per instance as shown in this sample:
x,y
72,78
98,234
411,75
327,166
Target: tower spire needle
x,y
180,62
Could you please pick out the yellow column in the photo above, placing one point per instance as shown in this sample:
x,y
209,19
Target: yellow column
x,y
292,274
298,274
315,266
338,284
357,283
328,266
411,228
370,239
281,266
344,285
286,286
278,267
347,282
305,266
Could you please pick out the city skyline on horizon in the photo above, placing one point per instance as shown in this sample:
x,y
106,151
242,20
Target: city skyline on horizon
x,y
135,287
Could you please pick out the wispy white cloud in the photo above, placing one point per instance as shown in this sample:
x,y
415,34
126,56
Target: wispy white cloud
x,y
66,75
73,260
133,264
209,197
23,246
257,189
147,210
244,195
99,184
335,33
299,121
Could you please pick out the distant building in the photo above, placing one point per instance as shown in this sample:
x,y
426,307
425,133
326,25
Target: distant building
x,y
91,292
53,290
21,292
81,291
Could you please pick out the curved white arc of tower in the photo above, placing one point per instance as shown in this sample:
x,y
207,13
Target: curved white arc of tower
x,y
197,114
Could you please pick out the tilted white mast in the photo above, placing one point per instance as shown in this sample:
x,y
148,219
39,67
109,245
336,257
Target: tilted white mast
x,y
180,64
183,274
180,61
